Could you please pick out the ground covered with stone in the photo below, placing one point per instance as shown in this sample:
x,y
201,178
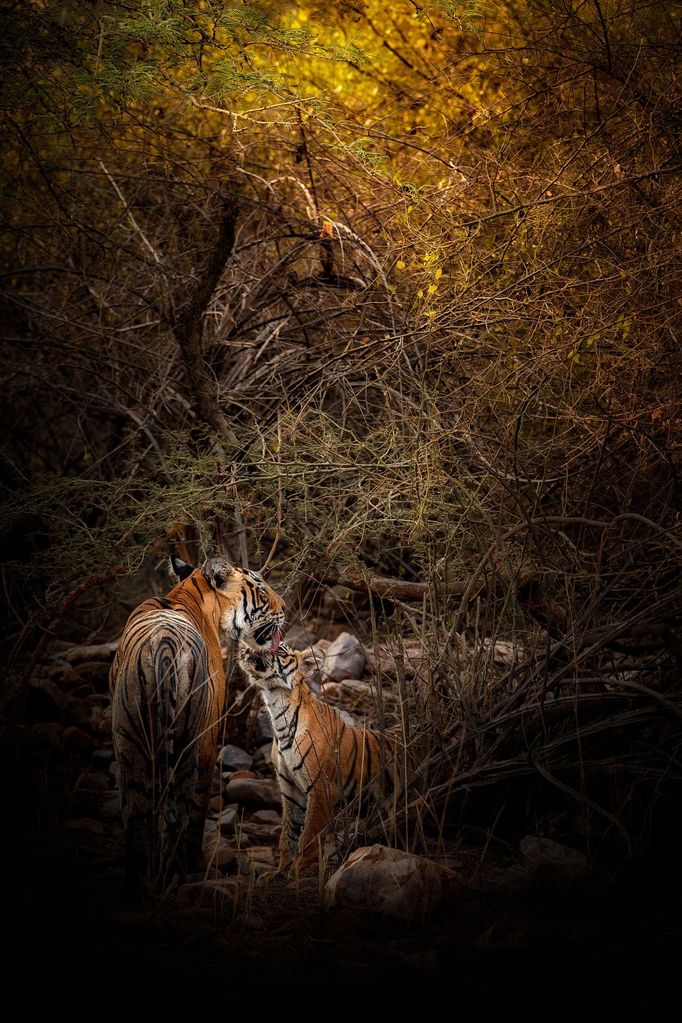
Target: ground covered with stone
x,y
476,913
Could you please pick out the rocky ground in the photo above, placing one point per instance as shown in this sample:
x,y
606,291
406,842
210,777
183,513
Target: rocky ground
x,y
474,915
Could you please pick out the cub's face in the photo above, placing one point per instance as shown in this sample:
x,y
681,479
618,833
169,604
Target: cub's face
x,y
268,669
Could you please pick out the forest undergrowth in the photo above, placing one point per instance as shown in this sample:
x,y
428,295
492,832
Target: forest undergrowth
x,y
388,300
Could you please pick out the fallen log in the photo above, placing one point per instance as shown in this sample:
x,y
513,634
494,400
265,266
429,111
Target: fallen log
x,y
528,585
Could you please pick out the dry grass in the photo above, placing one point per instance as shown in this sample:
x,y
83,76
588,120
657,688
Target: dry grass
x,y
448,357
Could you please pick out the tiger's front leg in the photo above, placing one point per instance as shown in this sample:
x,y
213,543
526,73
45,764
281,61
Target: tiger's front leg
x,y
293,817
321,802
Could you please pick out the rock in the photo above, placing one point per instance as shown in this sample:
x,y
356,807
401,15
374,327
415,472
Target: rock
x,y
345,658
110,807
215,805
233,758
219,855
222,894
95,780
260,834
77,712
263,759
102,758
211,832
66,677
253,792
252,921
265,817
83,691
95,721
96,652
358,696
45,701
258,859
105,727
95,673
392,883
85,824
514,878
385,660
46,736
551,861
233,775
298,637
77,740
58,648
262,728
228,818
262,853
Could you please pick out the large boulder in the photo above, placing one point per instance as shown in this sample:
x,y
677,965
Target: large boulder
x,y
550,861
394,884
345,658
253,792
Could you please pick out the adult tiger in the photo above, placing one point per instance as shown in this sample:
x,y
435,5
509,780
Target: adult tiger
x,y
168,694
321,761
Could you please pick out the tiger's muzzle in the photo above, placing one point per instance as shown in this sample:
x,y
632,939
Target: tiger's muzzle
x,y
268,635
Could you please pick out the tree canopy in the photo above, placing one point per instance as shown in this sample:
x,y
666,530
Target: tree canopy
x,y
398,286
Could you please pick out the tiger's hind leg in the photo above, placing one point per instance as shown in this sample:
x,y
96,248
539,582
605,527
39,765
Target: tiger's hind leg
x,y
197,811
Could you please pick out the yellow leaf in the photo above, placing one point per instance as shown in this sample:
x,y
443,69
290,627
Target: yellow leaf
x,y
420,293
400,265
433,288
438,274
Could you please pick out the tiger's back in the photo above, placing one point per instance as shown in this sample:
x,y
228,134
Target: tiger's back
x,y
158,713
168,693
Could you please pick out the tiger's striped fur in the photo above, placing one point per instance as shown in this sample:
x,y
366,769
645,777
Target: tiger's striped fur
x,y
321,761
168,696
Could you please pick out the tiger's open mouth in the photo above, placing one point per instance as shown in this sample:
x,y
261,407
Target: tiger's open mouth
x,y
268,634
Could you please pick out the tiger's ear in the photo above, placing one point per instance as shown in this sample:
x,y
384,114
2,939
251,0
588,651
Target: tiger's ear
x,y
217,572
179,569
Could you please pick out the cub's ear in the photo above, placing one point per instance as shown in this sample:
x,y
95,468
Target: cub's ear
x,y
217,572
179,568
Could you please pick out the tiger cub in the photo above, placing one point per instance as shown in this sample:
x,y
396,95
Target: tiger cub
x,y
168,690
321,761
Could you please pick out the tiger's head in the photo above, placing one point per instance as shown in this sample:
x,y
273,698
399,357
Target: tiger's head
x,y
268,669
247,608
